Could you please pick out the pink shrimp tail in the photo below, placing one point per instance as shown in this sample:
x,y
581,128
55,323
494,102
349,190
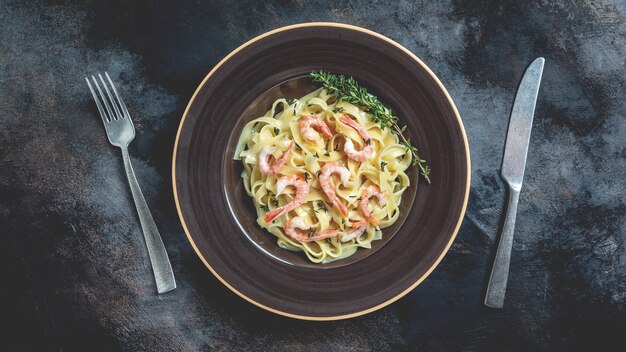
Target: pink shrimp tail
x,y
325,131
325,234
368,151
358,224
321,236
292,226
369,192
346,120
316,123
342,208
302,191
352,123
372,219
280,162
273,214
357,230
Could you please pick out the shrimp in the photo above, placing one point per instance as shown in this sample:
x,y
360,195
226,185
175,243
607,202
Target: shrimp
x,y
327,186
357,230
310,122
264,156
302,191
307,235
369,192
364,154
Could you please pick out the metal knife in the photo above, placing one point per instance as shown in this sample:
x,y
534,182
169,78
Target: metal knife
x,y
513,166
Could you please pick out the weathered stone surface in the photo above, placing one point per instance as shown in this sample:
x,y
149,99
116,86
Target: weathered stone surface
x,y
75,269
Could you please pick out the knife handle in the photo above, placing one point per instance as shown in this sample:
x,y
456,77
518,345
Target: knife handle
x,y
500,272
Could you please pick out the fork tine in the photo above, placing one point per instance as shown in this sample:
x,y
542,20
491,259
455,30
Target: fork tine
x,y
118,115
119,98
103,114
104,99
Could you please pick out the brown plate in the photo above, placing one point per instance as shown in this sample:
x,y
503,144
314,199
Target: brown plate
x,y
219,218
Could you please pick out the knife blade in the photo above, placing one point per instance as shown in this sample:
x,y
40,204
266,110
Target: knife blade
x,y
513,165
520,125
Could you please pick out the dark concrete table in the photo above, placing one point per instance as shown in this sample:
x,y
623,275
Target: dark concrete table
x,y
74,267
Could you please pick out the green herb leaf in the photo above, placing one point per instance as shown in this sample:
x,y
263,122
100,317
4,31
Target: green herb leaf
x,y
311,232
276,130
382,165
347,89
264,207
339,109
319,173
326,153
298,147
307,176
321,206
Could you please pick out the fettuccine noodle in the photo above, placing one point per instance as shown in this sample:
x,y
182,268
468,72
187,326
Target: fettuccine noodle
x,y
317,215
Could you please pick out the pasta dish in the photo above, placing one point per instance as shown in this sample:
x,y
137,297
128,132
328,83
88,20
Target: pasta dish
x,y
323,176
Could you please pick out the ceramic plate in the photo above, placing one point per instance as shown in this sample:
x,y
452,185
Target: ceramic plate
x,y
219,219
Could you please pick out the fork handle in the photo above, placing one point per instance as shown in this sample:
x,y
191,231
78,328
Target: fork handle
x,y
500,272
163,274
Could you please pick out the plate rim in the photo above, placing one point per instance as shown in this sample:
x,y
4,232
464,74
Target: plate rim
x,y
456,114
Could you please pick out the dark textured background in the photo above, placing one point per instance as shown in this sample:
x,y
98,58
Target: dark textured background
x,y
75,271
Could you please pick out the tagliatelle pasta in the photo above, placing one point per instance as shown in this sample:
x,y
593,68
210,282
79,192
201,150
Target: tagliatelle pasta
x,y
323,177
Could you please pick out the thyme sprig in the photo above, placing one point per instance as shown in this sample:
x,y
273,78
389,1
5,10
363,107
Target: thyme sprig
x,y
349,90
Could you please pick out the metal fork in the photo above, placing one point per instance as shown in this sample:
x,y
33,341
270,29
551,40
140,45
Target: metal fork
x,y
121,131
